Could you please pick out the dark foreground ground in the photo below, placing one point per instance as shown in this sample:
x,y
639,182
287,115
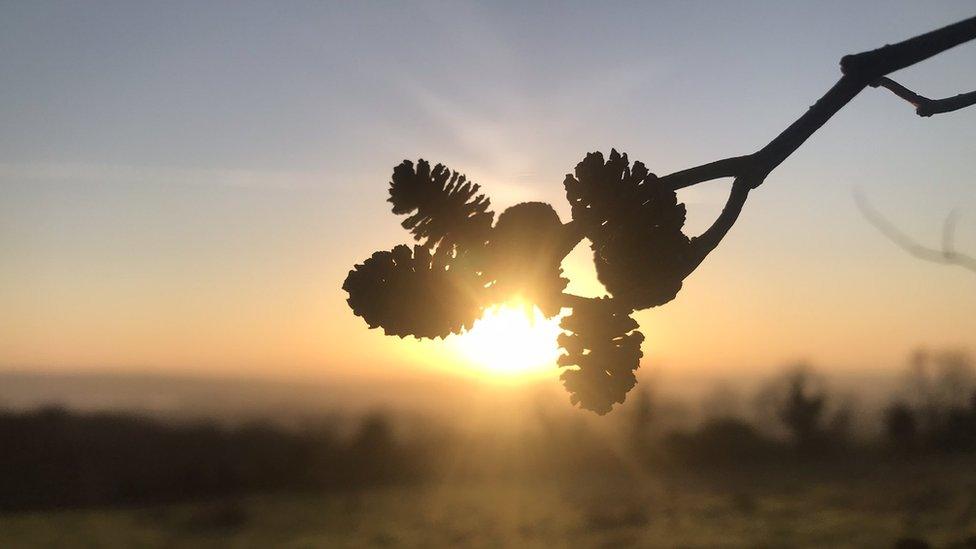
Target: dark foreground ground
x,y
794,473
935,502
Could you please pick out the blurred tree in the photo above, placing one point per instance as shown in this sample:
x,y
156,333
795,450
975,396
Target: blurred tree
x,y
801,406
936,407
802,411
901,427
937,383
722,402
642,423
373,449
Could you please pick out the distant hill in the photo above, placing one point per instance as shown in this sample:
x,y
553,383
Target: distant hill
x,y
187,396
229,398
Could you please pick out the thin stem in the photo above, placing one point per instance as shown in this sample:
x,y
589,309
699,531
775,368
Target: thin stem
x,y
572,301
573,234
901,91
780,148
710,239
859,70
923,105
727,167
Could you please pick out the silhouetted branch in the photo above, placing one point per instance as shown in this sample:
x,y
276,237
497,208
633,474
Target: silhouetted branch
x,y
728,167
874,64
946,256
573,234
923,105
573,300
901,91
859,71
710,239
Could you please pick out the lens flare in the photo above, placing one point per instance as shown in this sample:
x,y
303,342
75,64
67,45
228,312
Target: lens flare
x,y
511,340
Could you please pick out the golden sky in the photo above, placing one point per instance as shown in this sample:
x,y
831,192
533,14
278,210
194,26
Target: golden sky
x,y
180,197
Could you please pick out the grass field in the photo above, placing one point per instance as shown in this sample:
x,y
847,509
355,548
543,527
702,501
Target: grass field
x,y
872,511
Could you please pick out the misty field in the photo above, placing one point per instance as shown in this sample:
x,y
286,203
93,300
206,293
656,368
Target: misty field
x,y
872,508
803,470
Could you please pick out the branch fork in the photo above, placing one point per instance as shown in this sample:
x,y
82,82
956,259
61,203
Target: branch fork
x,y
859,71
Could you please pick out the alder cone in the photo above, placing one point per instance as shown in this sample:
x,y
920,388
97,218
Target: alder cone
x,y
605,348
524,253
445,208
414,294
634,224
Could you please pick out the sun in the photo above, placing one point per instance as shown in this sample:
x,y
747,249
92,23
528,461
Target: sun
x,y
511,340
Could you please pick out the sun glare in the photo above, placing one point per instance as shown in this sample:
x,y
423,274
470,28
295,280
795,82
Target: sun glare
x,y
511,340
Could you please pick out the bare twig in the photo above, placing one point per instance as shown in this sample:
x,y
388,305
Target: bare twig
x,y
859,71
901,91
923,105
572,300
946,256
710,239
728,167
573,234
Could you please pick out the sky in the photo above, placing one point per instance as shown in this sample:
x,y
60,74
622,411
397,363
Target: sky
x,y
184,186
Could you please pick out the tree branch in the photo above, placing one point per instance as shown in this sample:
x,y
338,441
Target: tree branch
x,y
710,239
946,256
859,71
572,301
923,105
874,64
573,234
728,167
901,91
